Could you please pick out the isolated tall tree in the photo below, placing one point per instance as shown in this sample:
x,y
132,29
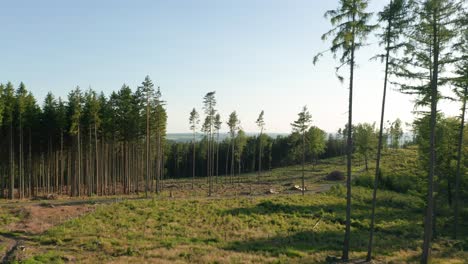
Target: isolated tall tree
x,y
396,19
241,142
209,103
350,28
217,127
261,125
429,51
194,120
301,125
233,124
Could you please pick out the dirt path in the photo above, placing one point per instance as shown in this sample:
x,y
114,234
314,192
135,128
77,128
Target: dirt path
x,y
10,245
35,218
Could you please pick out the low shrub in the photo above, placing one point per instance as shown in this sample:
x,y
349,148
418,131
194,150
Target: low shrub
x,y
335,176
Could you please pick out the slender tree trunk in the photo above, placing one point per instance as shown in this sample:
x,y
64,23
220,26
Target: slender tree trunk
x,y
303,160
227,159
217,156
30,166
259,156
89,176
96,159
459,155
208,160
159,165
20,167
193,161
232,160
428,221
12,164
79,163
379,147
147,145
347,236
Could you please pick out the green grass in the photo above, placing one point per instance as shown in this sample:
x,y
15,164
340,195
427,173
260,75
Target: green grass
x,y
262,229
233,228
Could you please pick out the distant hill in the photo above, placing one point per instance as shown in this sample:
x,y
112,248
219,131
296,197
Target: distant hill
x,y
187,137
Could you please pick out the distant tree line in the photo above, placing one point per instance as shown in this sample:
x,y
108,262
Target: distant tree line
x,y
275,152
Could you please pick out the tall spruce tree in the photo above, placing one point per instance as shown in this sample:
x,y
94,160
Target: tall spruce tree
x,y
217,126
300,126
461,90
351,26
10,101
428,52
233,125
209,103
261,125
147,89
75,108
194,120
396,19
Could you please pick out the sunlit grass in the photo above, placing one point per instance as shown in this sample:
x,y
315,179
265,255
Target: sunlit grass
x,y
285,229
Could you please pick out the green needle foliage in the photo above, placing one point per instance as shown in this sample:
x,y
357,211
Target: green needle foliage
x,y
428,53
194,120
300,126
351,26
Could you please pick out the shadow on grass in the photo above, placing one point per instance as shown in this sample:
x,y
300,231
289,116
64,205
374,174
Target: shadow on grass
x,y
19,236
394,231
292,245
322,244
359,210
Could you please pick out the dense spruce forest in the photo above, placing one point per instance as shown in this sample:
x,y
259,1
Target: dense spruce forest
x,y
89,144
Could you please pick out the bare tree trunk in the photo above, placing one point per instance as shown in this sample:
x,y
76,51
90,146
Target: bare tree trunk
x,y
347,236
217,156
147,145
303,160
96,159
232,160
227,159
79,163
21,163
193,160
259,156
459,155
30,166
428,221
12,164
379,148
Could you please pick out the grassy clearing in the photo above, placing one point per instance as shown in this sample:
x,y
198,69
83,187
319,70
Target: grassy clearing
x,y
241,224
279,229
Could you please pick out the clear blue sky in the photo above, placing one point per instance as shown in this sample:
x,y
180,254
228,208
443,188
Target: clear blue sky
x,y
256,54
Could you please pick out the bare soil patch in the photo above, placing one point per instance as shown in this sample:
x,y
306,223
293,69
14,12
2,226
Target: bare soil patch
x,y
40,217
36,218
